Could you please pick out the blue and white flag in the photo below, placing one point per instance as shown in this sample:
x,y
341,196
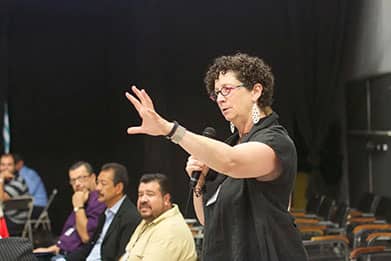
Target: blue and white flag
x,y
6,130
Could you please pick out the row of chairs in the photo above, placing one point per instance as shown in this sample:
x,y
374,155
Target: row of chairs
x,y
25,203
334,231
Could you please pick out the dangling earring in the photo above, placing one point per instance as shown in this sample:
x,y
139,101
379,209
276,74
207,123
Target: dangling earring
x,y
255,115
232,127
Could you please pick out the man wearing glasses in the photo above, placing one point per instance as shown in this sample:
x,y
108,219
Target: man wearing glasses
x,y
82,222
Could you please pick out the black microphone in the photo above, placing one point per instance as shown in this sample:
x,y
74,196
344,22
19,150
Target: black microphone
x,y
195,175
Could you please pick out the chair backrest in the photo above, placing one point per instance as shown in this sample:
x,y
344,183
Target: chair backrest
x,y
341,214
22,203
20,209
326,208
314,203
383,207
44,213
50,200
368,202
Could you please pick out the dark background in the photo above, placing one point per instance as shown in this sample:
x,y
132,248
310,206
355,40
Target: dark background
x,y
65,66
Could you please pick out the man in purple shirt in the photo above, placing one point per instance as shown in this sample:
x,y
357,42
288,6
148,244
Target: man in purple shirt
x,y
82,222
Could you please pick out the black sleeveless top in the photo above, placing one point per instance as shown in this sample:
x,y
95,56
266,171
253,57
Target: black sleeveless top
x,y
248,219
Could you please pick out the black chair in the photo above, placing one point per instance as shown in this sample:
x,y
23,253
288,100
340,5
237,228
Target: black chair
x,y
381,222
312,207
366,206
24,204
334,245
330,247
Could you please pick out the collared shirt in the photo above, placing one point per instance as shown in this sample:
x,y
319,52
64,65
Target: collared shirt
x,y
110,214
14,188
35,186
70,240
166,238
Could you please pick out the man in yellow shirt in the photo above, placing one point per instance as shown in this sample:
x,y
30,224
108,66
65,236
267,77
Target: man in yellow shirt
x,y
163,234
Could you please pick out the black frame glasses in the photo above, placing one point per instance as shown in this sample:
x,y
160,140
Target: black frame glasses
x,y
225,91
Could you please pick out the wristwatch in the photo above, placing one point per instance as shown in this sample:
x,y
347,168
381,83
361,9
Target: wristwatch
x,y
77,209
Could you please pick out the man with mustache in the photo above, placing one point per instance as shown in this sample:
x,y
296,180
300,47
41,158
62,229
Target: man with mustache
x,y
117,223
163,234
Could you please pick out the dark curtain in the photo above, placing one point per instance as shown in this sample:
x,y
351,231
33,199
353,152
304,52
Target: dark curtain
x,y
319,114
70,62
3,67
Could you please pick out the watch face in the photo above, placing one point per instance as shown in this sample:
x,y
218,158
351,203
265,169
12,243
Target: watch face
x,y
78,208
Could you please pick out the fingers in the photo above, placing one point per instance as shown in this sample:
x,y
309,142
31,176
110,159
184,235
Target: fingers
x,y
139,94
191,168
194,165
147,99
144,99
134,101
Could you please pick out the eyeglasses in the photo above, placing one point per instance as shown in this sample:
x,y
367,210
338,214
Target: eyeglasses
x,y
225,90
80,178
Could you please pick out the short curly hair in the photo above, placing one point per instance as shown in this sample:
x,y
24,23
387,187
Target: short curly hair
x,y
248,69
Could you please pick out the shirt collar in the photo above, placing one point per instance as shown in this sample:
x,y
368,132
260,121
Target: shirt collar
x,y
168,213
114,209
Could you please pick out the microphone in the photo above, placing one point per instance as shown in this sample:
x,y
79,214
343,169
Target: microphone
x,y
195,176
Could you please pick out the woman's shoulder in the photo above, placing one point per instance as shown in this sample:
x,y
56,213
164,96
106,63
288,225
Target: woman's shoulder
x,y
272,132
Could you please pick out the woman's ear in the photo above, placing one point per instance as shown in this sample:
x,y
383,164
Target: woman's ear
x,y
257,91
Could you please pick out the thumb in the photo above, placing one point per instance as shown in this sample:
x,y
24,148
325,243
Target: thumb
x,y
135,130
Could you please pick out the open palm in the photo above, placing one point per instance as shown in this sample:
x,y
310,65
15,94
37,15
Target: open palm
x,y
152,123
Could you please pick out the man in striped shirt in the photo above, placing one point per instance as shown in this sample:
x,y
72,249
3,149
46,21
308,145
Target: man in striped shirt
x,y
12,185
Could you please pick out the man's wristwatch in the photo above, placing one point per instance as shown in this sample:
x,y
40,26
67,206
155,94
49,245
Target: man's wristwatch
x,y
77,209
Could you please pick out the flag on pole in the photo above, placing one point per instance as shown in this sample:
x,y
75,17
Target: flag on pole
x,y
6,130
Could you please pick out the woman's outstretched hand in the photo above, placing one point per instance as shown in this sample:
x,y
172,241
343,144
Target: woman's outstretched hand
x,y
152,123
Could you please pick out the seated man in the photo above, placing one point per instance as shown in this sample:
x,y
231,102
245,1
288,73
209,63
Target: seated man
x,y
117,223
163,234
12,185
82,222
35,186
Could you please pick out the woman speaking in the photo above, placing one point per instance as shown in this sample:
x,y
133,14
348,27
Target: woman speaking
x,y
244,208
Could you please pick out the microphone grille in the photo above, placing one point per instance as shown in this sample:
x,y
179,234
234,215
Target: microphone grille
x,y
209,132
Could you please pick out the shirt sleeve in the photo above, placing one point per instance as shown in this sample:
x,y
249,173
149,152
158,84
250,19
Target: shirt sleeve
x,y
284,148
33,181
93,212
